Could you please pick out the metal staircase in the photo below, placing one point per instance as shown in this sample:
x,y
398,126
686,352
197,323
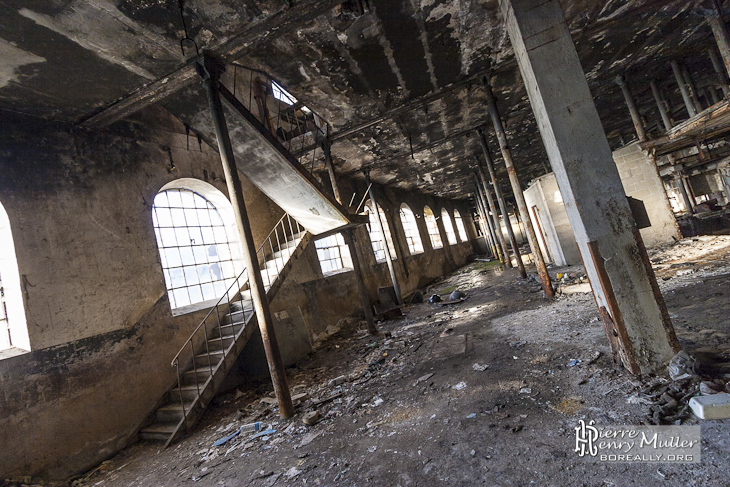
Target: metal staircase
x,y
204,360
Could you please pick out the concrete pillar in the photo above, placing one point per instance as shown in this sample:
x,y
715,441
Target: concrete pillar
x,y
386,247
721,71
211,82
326,149
351,241
688,103
660,106
722,37
627,295
547,286
502,209
497,229
635,117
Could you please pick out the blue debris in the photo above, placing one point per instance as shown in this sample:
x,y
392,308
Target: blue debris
x,y
573,362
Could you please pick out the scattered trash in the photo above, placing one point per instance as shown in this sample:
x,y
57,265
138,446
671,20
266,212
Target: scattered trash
x,y
272,401
519,344
337,381
681,366
292,472
308,438
716,406
435,298
707,388
473,452
226,439
596,356
471,416
525,390
460,386
377,401
573,362
423,378
456,295
372,449
310,418
480,368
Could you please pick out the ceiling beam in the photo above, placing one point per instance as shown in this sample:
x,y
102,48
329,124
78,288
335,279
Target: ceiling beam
x,y
281,22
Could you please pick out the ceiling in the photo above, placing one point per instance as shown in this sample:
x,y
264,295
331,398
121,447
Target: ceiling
x,y
399,81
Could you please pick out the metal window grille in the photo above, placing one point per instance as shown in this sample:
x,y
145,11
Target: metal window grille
x,y
410,229
195,248
448,227
460,226
433,229
376,237
333,253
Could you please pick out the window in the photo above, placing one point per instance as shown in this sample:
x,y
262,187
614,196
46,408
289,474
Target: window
x,y
199,250
410,228
14,338
376,238
333,254
433,229
460,226
282,95
448,227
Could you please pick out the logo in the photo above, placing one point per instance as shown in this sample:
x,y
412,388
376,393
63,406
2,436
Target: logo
x,y
638,444
586,436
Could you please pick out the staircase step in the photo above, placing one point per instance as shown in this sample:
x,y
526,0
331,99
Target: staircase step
x,y
188,377
172,412
236,317
158,431
188,393
245,303
203,360
217,344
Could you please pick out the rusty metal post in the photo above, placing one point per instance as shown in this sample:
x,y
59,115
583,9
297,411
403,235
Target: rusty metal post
x,y
503,210
211,71
486,223
721,71
351,240
327,150
722,37
633,110
689,105
660,106
486,194
692,89
517,190
386,247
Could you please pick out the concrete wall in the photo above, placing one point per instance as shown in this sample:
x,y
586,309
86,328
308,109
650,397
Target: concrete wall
x,y
640,180
101,331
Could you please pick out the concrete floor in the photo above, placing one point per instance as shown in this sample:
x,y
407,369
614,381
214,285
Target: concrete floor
x,y
510,424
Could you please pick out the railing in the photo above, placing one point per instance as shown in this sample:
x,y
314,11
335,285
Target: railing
x,y
300,130
236,297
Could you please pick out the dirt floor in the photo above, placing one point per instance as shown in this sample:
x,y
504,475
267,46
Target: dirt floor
x,y
486,392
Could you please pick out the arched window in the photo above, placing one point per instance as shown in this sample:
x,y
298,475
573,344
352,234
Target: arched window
x,y
448,227
410,229
433,229
376,238
198,242
460,226
13,328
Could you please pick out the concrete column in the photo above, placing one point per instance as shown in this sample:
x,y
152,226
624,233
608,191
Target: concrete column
x,y
722,37
502,209
496,228
326,149
660,106
721,71
351,241
635,117
547,286
386,247
211,82
688,103
627,295
683,190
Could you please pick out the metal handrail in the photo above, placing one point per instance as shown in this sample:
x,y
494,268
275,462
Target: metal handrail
x,y
291,124
261,256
